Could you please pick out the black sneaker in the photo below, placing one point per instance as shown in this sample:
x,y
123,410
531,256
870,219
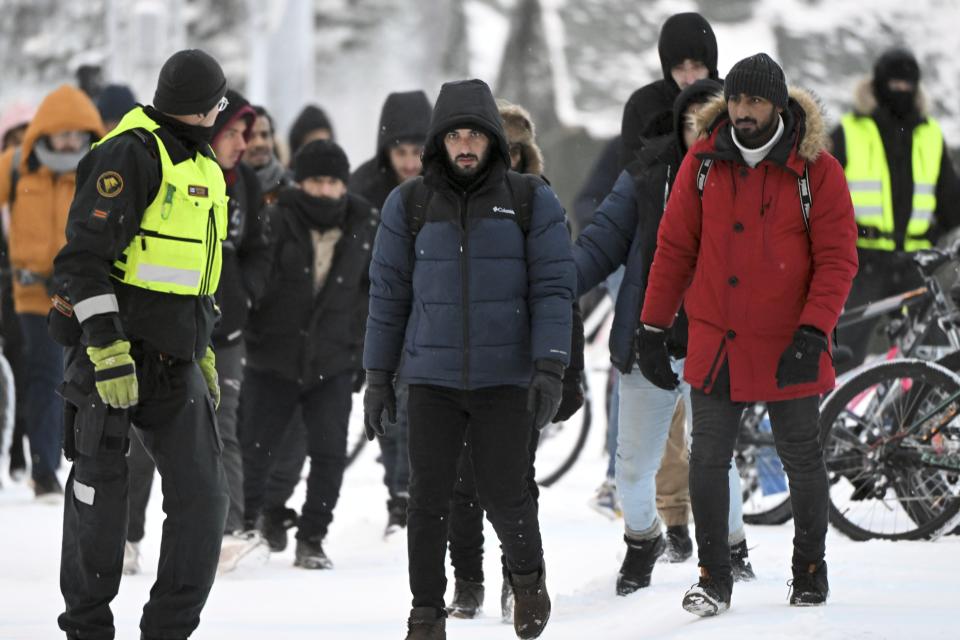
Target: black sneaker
x,y
679,545
809,587
426,623
467,600
46,488
531,607
309,555
740,567
638,564
708,597
274,524
396,515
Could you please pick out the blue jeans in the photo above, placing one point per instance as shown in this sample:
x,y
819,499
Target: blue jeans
x,y
645,415
613,424
42,407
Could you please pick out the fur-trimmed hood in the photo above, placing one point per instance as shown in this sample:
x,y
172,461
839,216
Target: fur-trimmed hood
x,y
520,129
815,136
865,101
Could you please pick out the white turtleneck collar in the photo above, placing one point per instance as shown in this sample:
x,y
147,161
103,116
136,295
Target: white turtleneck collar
x,y
753,157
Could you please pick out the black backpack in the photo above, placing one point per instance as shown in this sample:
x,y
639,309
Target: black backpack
x,y
416,197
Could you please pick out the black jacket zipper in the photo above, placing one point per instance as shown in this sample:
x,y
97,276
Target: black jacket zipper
x,y
146,233
462,214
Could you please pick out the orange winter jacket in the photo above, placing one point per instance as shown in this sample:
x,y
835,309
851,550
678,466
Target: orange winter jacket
x,y
38,217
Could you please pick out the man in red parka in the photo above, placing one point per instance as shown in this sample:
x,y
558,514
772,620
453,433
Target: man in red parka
x,y
763,273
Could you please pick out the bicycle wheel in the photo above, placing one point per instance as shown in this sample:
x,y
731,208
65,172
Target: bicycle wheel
x,y
766,498
892,448
561,443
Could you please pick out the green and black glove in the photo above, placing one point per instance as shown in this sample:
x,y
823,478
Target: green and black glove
x,y
208,366
115,374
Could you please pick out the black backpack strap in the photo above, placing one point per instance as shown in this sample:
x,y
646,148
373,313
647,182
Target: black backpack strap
x,y
806,196
522,188
705,165
416,196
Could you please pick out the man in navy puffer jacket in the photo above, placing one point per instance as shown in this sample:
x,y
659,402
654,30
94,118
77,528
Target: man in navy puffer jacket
x,y
474,312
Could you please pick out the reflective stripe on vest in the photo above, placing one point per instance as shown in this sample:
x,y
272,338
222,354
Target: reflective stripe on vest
x,y
868,178
178,247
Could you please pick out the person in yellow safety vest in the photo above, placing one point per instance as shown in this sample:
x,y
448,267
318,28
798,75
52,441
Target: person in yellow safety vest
x,y
904,188
134,306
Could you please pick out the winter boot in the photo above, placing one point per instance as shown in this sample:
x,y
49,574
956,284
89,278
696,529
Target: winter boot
x,y
467,600
274,524
242,546
131,558
531,609
708,597
396,515
47,488
740,567
426,623
638,564
809,587
310,555
679,545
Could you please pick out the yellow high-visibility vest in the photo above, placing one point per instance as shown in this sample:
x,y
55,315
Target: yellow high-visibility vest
x,y
868,178
178,247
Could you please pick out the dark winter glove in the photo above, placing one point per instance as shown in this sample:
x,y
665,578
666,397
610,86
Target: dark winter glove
x,y
654,360
800,363
545,392
359,378
572,395
379,397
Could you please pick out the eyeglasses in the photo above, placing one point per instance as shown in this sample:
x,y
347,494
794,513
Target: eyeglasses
x,y
223,103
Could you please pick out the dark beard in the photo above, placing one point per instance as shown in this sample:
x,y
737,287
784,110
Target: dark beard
x,y
759,137
467,178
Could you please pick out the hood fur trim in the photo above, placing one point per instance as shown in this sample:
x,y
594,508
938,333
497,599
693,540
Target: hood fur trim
x,y
520,129
815,137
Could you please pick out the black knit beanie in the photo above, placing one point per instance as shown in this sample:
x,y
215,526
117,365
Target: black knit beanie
x,y
321,158
191,82
758,76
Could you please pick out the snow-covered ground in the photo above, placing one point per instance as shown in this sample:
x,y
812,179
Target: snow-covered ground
x,y
879,590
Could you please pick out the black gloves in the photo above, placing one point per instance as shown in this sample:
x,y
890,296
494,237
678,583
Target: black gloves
x,y
379,397
800,363
572,395
545,392
653,359
359,377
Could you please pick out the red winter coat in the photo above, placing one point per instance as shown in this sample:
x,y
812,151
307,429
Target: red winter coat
x,y
741,260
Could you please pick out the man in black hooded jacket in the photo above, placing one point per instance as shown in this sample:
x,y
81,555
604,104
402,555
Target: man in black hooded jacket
x,y
305,339
688,52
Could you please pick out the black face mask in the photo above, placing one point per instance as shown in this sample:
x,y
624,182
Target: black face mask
x,y
319,213
193,136
900,103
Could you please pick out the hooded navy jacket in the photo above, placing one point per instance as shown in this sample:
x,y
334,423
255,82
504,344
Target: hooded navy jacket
x,y
470,301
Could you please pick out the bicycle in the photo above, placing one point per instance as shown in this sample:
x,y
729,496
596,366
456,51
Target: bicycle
x,y
890,431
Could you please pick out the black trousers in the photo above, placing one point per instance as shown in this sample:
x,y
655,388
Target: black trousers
x,y
496,426
466,515
175,420
266,406
716,422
